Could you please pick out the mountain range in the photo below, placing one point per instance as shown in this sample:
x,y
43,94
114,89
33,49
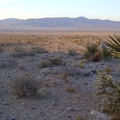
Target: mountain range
x,y
65,23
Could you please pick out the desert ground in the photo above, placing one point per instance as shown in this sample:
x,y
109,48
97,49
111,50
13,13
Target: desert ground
x,y
68,90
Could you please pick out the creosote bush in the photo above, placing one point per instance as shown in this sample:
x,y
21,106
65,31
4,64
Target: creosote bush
x,y
20,52
106,53
38,50
26,87
72,52
51,62
111,90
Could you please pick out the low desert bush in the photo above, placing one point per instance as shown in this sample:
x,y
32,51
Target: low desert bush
x,y
38,50
26,87
56,61
79,118
1,49
116,55
111,92
107,70
72,52
81,65
44,64
20,52
51,62
71,89
106,53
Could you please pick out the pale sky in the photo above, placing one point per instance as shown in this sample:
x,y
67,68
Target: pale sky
x,y
23,9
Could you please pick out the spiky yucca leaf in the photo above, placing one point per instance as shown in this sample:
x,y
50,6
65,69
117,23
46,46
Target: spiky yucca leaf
x,y
114,43
92,48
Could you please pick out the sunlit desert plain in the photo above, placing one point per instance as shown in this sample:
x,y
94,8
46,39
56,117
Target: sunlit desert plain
x,y
66,80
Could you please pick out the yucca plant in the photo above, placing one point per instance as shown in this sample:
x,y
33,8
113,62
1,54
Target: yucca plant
x,y
92,52
111,91
114,44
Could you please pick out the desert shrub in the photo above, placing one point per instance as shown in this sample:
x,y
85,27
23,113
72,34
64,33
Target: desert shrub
x,y
92,53
106,53
18,49
116,55
20,52
44,64
81,65
51,62
72,52
38,50
1,49
79,118
111,90
107,69
114,44
92,48
8,63
71,89
26,87
56,61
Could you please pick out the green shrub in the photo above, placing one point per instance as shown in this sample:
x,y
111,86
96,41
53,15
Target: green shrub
x,y
51,62
38,50
45,64
106,53
56,61
26,87
91,50
20,52
114,44
111,90
1,49
72,52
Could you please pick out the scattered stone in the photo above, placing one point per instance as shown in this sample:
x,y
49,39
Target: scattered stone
x,y
33,108
70,109
54,103
99,116
13,118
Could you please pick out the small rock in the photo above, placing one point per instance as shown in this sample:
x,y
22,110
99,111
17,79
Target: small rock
x,y
54,103
99,115
86,83
70,109
55,99
33,108
69,116
13,118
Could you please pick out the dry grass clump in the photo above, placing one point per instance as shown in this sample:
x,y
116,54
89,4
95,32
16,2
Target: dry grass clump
x,y
79,118
26,87
107,70
71,89
1,48
111,90
20,52
51,62
106,53
81,65
38,50
44,64
72,52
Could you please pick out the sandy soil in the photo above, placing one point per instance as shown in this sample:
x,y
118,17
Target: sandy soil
x,y
57,103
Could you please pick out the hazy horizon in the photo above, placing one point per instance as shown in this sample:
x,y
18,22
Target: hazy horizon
x,y
58,17
92,9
